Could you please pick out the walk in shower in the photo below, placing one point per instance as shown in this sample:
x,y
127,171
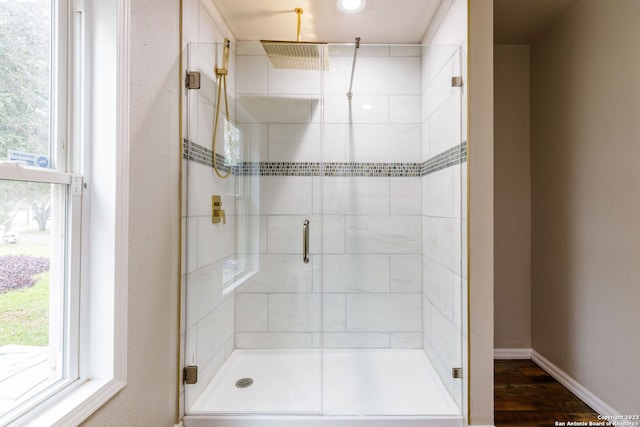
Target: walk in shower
x,y
325,280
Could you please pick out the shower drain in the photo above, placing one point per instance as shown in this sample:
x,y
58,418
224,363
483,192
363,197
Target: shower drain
x,y
244,382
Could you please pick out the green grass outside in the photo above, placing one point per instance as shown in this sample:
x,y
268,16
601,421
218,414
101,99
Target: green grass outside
x,y
24,314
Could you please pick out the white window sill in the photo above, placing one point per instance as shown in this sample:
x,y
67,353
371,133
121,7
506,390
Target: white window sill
x,y
70,408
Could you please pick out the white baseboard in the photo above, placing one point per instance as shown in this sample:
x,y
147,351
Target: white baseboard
x,y
575,387
179,425
512,353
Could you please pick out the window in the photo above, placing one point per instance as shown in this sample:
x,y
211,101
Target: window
x,y
243,187
62,296
39,210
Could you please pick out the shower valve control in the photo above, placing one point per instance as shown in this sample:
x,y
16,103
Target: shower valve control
x,y
217,213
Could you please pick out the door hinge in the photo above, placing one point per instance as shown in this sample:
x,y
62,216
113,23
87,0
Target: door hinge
x,y
192,81
190,374
456,373
456,81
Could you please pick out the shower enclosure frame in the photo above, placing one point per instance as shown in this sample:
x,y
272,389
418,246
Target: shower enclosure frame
x,y
428,165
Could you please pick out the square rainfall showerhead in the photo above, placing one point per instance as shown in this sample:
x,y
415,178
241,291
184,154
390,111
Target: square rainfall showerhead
x,y
297,55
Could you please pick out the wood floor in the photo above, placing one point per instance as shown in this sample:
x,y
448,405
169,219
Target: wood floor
x,y
525,395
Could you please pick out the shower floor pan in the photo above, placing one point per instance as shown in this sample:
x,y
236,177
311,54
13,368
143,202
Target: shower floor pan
x,y
361,388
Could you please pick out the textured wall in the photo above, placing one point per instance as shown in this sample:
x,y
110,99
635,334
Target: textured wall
x,y
512,198
154,218
481,260
585,175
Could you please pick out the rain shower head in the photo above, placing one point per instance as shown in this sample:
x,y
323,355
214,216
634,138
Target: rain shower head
x,y
297,55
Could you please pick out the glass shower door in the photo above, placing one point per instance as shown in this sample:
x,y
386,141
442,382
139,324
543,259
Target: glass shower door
x,y
253,307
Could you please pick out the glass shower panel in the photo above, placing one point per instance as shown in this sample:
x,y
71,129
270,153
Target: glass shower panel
x,y
210,249
444,211
462,297
375,322
252,309
391,273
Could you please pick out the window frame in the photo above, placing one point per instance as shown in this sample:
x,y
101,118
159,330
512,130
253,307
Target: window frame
x,y
93,138
69,221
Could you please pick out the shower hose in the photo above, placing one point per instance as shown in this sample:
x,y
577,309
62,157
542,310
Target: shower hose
x,y
222,82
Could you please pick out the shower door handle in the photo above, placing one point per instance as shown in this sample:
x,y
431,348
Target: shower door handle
x,y
305,241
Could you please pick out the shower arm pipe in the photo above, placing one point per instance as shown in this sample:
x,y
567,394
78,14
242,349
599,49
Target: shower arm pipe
x,y
353,67
299,11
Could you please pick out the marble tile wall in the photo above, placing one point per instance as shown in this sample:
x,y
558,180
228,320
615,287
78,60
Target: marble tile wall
x,y
368,285
444,222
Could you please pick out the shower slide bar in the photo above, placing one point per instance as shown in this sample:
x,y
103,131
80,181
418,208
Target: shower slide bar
x,y
353,67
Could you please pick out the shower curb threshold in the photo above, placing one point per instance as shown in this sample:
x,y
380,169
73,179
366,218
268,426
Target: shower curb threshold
x,y
204,420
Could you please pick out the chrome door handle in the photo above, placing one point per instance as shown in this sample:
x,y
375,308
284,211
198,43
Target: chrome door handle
x,y
305,241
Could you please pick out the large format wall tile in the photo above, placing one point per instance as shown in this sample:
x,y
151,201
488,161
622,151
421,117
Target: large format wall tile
x,y
439,287
251,75
446,243
295,142
211,240
286,195
446,131
276,109
384,313
356,273
214,330
437,194
355,195
389,75
203,292
365,108
251,312
381,143
405,196
405,109
279,273
406,340
294,312
406,273
391,234
249,340
354,340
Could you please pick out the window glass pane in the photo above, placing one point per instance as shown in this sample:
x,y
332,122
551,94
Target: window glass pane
x,y
32,291
25,81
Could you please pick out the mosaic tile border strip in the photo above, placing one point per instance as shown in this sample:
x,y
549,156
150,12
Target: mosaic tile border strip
x,y
329,169
199,154
451,157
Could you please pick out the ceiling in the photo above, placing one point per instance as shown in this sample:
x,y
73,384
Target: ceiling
x,y
382,21
520,21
